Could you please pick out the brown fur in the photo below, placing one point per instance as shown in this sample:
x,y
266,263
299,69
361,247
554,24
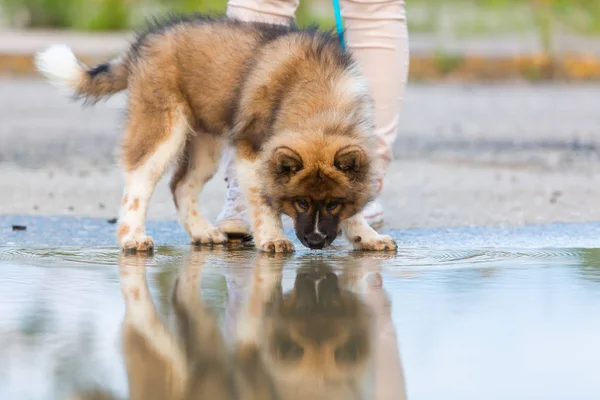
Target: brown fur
x,y
317,340
265,87
188,361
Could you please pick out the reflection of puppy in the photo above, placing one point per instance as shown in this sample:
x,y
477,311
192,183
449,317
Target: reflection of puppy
x,y
316,339
192,363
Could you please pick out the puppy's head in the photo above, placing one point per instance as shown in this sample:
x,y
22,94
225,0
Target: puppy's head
x,y
319,179
319,330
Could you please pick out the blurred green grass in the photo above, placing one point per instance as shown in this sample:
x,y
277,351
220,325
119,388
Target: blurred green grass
x,y
457,17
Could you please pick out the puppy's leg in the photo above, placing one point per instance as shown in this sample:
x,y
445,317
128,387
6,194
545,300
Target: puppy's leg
x,y
193,171
152,141
266,222
363,237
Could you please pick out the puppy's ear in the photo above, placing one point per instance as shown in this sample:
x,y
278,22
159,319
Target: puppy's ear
x,y
286,161
351,159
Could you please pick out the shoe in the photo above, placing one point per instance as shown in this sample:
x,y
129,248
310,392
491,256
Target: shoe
x,y
233,218
373,214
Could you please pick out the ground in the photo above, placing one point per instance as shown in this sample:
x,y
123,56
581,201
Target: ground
x,y
466,155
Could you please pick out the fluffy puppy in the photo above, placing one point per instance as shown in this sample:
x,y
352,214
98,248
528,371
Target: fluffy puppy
x,y
293,105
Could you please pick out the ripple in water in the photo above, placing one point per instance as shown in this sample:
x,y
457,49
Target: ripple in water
x,y
78,255
452,257
414,257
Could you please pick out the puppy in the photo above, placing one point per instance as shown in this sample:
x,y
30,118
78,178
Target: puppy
x,y
293,105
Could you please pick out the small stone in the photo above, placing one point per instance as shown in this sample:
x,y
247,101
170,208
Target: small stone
x,y
19,227
112,221
71,208
35,207
101,206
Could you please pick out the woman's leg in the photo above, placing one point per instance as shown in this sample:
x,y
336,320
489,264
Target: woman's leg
x,y
233,218
377,35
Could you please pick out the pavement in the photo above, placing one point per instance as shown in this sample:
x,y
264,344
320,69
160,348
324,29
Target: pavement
x,y
467,155
83,234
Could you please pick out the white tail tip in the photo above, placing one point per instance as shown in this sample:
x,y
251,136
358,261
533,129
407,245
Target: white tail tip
x,y
60,66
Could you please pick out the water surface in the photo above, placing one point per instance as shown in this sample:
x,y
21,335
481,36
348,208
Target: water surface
x,y
425,323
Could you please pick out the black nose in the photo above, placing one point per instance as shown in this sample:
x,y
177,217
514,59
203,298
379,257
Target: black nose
x,y
315,240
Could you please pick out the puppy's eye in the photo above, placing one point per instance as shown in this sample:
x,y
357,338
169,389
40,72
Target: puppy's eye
x,y
302,204
332,206
289,350
348,352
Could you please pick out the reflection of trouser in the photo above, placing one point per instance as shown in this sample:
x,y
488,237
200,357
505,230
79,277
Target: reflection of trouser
x,y
376,33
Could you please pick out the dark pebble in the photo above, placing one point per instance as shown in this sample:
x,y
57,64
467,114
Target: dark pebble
x,y
19,227
101,206
112,221
35,207
71,208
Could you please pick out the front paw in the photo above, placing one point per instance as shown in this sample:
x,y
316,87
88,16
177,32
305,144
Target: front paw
x,y
209,236
137,244
276,246
376,243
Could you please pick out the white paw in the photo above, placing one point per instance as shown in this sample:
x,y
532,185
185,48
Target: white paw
x,y
137,243
276,246
210,235
374,243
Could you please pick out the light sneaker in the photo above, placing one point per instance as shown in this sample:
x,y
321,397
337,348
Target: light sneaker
x,y
373,214
233,219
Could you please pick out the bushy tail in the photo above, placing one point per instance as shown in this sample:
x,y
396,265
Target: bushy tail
x,y
60,66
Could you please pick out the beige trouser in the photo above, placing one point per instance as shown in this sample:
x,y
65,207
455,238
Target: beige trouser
x,y
377,35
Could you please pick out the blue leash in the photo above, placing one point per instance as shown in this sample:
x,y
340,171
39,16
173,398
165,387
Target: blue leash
x,y
339,24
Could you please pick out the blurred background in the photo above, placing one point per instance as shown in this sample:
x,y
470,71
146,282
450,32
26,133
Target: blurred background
x,y
445,34
499,124
455,17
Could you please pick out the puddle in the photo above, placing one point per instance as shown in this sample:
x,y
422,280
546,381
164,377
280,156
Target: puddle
x,y
428,323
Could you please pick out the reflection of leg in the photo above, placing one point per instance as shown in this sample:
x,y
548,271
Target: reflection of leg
x,y
362,275
389,372
237,288
264,284
233,219
149,348
197,324
377,35
249,334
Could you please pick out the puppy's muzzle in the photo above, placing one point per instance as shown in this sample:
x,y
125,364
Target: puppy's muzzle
x,y
315,240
